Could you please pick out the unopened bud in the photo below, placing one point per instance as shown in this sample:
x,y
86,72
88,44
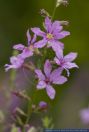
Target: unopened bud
x,y
64,23
59,2
37,52
44,13
33,107
43,105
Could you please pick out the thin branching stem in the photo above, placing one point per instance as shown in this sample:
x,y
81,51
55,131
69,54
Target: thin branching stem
x,y
54,9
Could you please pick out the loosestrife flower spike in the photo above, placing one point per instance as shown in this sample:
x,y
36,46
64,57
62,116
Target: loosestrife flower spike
x,y
48,78
26,51
16,62
65,62
52,35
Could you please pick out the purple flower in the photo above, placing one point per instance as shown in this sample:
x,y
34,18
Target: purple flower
x,y
43,105
16,62
26,51
84,114
48,78
65,62
53,33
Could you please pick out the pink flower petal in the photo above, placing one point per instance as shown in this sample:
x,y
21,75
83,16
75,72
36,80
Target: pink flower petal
x,y
41,85
57,61
7,67
38,32
28,37
70,57
59,80
58,49
34,38
70,65
40,74
19,47
40,44
50,91
56,27
48,24
16,62
26,53
47,68
62,34
56,74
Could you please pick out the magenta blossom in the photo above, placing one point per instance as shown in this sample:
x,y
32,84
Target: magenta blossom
x,y
48,78
43,105
65,62
84,115
26,51
16,62
53,33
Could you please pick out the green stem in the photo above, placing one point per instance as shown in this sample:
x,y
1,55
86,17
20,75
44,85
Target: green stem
x,y
29,111
13,72
54,9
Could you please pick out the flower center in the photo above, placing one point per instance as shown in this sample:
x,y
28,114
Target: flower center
x,y
62,62
49,36
31,47
47,80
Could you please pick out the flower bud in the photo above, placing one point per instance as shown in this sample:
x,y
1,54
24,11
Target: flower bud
x,y
59,2
44,13
43,105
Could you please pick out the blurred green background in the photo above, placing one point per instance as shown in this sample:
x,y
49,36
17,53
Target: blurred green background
x,y
16,16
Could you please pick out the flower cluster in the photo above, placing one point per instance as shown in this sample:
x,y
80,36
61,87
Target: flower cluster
x,y
50,38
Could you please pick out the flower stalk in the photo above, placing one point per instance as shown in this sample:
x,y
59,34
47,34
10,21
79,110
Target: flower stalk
x,y
48,72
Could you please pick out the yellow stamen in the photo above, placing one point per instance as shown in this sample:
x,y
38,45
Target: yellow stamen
x,y
30,47
49,36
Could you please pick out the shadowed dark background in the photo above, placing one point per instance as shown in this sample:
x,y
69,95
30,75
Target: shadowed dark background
x,y
17,16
